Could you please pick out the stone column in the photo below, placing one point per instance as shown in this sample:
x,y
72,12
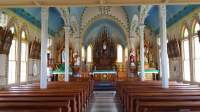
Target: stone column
x,y
67,35
141,27
191,52
18,65
44,40
163,40
3,70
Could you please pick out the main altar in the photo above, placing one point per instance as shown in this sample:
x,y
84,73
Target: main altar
x,y
104,57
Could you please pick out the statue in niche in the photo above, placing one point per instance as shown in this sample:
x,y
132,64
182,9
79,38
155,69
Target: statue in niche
x,y
148,54
132,57
35,69
104,50
76,59
146,51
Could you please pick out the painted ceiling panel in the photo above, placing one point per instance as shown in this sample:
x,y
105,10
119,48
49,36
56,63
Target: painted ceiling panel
x,y
34,12
77,11
27,16
152,19
173,10
55,20
174,13
131,10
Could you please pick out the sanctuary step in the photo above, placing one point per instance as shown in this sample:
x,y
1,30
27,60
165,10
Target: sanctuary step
x,y
104,101
104,85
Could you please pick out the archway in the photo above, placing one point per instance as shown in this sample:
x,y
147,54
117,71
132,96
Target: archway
x,y
104,33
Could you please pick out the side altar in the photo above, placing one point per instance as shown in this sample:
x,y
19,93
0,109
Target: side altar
x,y
151,69
151,74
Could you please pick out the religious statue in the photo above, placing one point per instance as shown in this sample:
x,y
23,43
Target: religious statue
x,y
35,69
76,59
132,57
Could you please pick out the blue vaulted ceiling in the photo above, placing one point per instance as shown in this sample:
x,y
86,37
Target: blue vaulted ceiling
x,y
174,13
77,11
114,30
33,15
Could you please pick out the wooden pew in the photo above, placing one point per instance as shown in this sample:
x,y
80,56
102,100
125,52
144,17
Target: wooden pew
x,y
169,106
69,97
134,94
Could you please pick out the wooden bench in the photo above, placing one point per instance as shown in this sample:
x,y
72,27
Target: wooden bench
x,y
60,96
135,95
169,106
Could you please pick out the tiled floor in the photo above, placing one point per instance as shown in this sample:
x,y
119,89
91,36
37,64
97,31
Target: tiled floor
x,y
104,101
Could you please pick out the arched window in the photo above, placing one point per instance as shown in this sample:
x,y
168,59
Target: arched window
x,y
196,28
196,53
89,54
119,54
12,60
24,56
185,33
126,54
186,59
3,19
83,53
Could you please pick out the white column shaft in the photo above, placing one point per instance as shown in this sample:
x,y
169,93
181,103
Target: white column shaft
x,y
44,40
18,76
164,55
67,35
142,52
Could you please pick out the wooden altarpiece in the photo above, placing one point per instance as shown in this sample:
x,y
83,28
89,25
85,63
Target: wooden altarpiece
x,y
6,37
104,51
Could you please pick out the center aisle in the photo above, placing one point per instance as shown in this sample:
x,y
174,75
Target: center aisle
x,y
104,101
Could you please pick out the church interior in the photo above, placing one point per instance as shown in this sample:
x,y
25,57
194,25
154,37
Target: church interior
x,y
99,56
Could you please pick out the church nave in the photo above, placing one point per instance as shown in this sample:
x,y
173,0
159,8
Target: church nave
x,y
99,55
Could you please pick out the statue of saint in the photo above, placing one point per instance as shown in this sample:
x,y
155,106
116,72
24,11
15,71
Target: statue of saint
x,y
35,69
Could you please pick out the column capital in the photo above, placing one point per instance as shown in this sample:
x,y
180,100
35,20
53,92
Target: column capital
x,y
142,25
45,12
66,27
163,5
163,9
